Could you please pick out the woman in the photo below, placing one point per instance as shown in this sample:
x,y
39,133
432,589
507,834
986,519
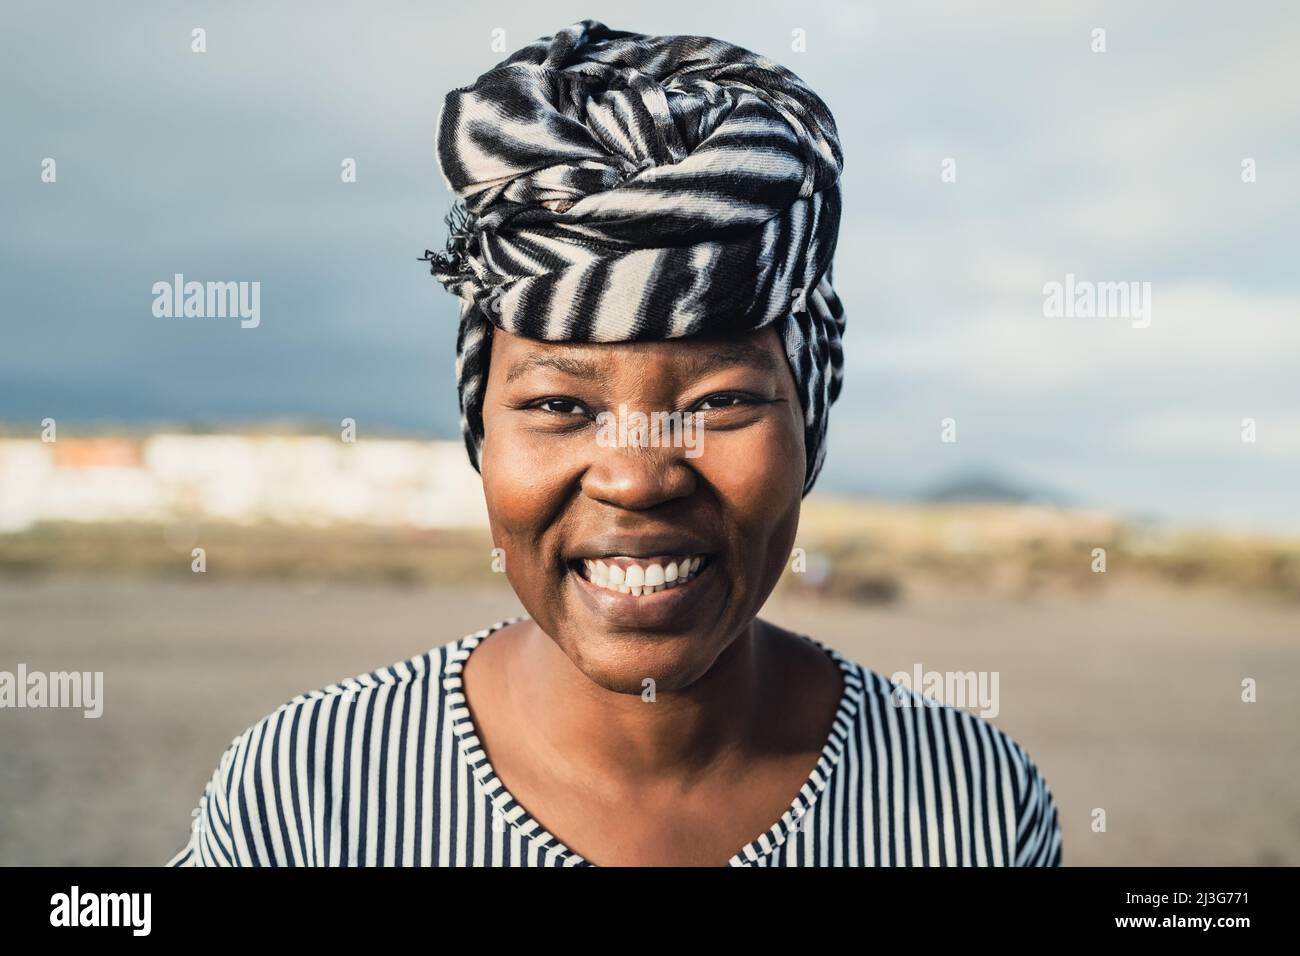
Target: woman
x,y
648,224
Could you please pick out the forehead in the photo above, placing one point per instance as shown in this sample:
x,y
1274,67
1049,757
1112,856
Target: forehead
x,y
516,357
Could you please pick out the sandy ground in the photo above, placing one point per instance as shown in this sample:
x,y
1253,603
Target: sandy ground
x,y
1129,702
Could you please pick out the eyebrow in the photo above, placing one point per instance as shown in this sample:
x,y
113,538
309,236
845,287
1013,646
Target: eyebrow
x,y
725,353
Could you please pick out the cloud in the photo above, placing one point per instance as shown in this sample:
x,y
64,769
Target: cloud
x,y
1123,166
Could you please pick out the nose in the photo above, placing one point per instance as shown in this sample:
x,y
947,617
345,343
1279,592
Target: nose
x,y
637,478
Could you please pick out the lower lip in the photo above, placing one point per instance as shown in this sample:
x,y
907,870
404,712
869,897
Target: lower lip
x,y
647,611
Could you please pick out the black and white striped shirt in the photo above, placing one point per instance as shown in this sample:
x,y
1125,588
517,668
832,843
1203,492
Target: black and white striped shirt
x,y
387,769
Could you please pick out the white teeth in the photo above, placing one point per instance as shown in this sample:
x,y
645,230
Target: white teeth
x,y
638,579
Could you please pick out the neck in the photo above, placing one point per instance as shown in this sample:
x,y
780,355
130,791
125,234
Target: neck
x,y
571,722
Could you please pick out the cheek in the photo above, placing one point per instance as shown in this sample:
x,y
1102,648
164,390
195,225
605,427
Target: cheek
x,y
759,476
512,499
524,482
765,463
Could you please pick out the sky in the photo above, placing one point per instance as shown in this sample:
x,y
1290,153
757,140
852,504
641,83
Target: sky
x,y
1122,165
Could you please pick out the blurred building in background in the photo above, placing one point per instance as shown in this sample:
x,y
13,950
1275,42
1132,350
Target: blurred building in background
x,y
242,479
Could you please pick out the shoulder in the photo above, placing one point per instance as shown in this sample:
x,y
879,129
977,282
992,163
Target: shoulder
x,y
333,707
970,782
252,808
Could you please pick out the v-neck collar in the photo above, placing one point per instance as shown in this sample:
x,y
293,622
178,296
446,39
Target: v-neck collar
x,y
514,815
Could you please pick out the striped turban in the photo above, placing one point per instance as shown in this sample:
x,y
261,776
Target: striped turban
x,y
617,187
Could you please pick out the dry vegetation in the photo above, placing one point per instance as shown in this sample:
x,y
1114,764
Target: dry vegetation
x,y
861,551
873,551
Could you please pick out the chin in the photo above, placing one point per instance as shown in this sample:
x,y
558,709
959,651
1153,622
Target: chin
x,y
621,662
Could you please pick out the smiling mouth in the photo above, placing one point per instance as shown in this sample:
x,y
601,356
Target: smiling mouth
x,y
640,576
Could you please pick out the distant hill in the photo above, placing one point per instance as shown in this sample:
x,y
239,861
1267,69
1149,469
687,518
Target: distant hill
x,y
979,487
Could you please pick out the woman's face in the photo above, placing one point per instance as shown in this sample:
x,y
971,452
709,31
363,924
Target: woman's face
x,y
591,508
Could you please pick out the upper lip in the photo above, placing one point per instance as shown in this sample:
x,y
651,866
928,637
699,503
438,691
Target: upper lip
x,y
649,545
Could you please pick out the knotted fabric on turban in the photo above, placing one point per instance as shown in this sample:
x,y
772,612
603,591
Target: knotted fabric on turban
x,y
615,187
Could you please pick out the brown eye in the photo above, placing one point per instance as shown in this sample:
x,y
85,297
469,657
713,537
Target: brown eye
x,y
561,406
725,400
